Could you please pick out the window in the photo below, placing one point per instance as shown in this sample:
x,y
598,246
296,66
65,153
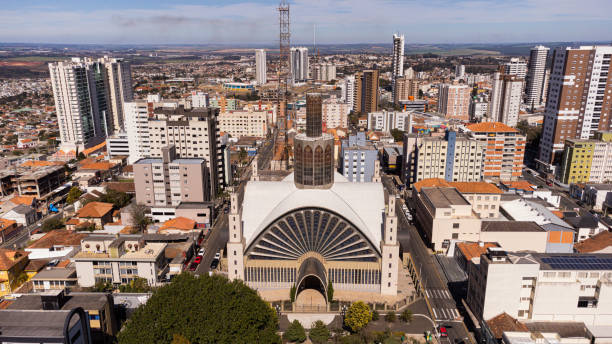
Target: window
x,y
455,235
455,225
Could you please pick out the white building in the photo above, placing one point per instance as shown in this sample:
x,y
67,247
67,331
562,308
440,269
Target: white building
x,y
536,76
260,67
118,144
459,72
119,76
542,287
397,61
326,72
388,120
517,67
299,64
506,97
335,113
244,123
348,91
199,99
137,130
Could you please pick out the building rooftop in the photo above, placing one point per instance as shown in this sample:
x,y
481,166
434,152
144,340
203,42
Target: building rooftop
x,y
474,249
89,301
30,324
8,258
463,187
505,323
597,243
95,210
510,226
491,127
584,221
55,274
59,237
178,223
565,329
518,185
444,197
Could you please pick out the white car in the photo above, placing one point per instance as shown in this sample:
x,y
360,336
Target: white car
x,y
201,252
217,255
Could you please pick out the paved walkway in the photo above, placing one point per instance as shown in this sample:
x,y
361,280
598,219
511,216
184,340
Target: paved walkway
x,y
307,319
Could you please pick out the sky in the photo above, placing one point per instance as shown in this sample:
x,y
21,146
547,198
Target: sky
x,y
336,21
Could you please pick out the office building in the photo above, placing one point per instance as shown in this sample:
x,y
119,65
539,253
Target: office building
x,y
406,89
536,76
386,121
119,77
168,181
358,159
366,91
587,161
348,91
299,64
118,145
459,72
409,73
81,103
335,113
397,62
193,133
506,96
244,123
260,67
576,107
541,286
504,152
453,157
454,101
516,66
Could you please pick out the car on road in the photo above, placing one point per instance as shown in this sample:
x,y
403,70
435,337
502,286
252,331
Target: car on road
x,y
217,256
193,266
214,264
198,259
443,332
201,251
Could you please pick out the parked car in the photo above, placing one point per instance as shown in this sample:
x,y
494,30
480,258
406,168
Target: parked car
x,y
443,332
217,256
193,266
201,251
198,259
214,264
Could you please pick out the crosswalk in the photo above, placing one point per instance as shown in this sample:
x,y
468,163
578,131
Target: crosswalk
x,y
445,313
438,294
443,310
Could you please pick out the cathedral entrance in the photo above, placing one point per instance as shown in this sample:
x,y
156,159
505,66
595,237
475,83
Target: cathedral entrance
x,y
311,291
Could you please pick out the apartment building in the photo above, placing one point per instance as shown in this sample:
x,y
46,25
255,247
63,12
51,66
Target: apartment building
x,y
299,64
39,183
335,113
536,76
386,121
325,71
358,159
576,107
260,67
120,260
366,91
397,63
119,76
454,101
516,66
504,150
542,286
193,133
587,161
168,181
406,89
347,87
118,144
248,122
452,158
506,97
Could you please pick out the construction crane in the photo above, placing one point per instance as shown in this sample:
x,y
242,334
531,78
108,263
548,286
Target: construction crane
x,y
284,72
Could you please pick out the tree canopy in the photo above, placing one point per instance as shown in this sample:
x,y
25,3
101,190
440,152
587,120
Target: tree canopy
x,y
319,333
295,332
357,316
204,309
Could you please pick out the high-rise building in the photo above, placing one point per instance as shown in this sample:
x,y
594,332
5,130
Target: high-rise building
x,y
314,160
358,159
505,150
260,66
536,76
459,72
586,160
335,113
406,89
325,72
409,73
576,107
366,91
348,91
137,129
506,97
454,101
240,123
517,67
199,99
299,64
119,76
397,62
81,102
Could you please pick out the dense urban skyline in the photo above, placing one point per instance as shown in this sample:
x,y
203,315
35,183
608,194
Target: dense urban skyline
x,y
254,21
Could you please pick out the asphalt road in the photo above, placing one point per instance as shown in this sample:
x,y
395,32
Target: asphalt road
x,y
21,239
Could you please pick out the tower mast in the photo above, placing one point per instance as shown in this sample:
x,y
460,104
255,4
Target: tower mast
x,y
283,68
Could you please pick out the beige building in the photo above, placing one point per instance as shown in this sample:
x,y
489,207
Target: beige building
x,y
454,101
406,89
194,134
335,113
107,258
240,123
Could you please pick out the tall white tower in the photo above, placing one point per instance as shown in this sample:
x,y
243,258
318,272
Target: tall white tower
x,y
299,64
235,244
390,252
397,67
536,76
260,66
119,75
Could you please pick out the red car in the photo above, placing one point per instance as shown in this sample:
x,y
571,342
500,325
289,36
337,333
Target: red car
x,y
193,267
443,332
198,259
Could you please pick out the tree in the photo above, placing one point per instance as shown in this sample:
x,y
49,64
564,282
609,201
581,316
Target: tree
x,y
73,194
330,292
242,154
51,224
357,316
204,309
406,316
102,286
292,293
178,339
390,317
319,333
117,198
375,315
295,333
398,135
137,285
139,217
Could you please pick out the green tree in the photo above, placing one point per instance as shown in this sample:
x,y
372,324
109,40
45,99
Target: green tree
x,y
139,217
51,224
330,292
137,285
398,135
178,339
117,198
319,333
357,316
73,194
292,292
295,333
102,286
204,309
406,316
390,317
375,315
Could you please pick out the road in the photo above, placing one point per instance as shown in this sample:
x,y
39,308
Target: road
x,y
21,239
567,202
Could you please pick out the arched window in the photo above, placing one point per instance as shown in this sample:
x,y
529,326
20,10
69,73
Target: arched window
x,y
307,178
318,166
329,167
298,163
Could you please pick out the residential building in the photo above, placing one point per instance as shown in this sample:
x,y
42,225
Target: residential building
x,y
595,195
93,213
575,107
8,229
542,286
239,123
299,64
453,157
260,67
325,71
54,278
506,96
119,78
454,101
118,144
107,258
23,214
516,66
587,160
348,91
504,152
335,113
358,162
459,72
536,76
137,129
56,244
199,99
386,121
406,89
366,91
479,109
397,63
193,133
167,181
12,266
40,182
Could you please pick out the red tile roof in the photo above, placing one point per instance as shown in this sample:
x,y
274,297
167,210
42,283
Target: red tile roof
x,y
59,237
95,210
463,187
595,243
505,323
491,127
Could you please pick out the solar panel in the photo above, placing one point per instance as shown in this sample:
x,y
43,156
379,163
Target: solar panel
x,y
579,262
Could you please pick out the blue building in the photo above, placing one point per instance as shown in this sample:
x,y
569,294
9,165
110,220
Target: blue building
x,y
357,159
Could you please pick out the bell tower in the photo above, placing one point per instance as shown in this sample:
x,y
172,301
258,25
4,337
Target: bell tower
x,y
235,244
390,251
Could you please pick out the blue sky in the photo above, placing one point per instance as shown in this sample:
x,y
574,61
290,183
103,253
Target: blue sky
x,y
337,21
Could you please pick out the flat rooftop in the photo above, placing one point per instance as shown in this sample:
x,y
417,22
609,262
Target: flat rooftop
x,y
33,324
511,226
444,197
